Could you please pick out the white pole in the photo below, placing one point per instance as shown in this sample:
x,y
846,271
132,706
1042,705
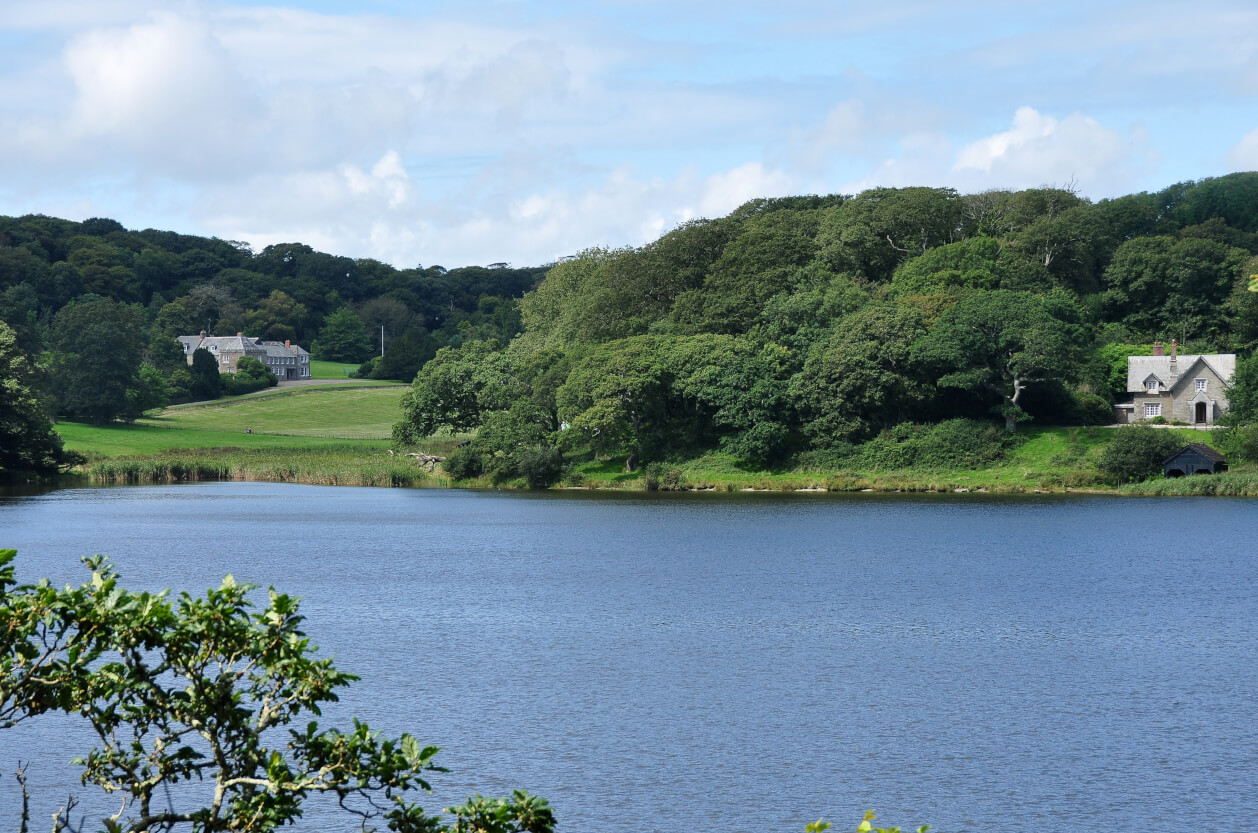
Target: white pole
x,y
382,341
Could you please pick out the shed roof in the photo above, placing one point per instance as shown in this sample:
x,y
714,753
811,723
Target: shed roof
x,y
1202,449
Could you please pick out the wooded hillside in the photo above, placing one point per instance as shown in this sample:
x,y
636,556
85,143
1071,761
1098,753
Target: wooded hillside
x,y
805,325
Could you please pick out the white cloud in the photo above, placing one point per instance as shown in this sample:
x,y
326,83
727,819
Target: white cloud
x,y
1040,149
165,89
379,213
1244,156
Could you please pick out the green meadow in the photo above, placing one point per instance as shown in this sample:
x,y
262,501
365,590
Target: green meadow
x,y
330,370
296,418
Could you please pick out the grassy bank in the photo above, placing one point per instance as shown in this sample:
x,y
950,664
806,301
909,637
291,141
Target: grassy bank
x,y
338,436
1047,460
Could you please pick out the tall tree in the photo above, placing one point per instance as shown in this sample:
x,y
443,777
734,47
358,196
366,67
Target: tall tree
x,y
95,359
995,344
207,383
343,338
27,440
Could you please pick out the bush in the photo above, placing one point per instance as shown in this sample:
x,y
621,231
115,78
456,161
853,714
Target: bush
x,y
540,467
1239,443
1090,409
952,444
658,477
464,463
1137,452
251,375
366,369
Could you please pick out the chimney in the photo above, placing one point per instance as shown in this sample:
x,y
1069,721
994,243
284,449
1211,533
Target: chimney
x,y
1174,350
288,344
1157,349
240,335
203,334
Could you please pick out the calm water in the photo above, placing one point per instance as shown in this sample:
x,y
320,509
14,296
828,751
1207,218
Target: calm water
x,y
744,662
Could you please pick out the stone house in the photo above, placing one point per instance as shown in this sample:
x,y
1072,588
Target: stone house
x,y
1190,388
283,358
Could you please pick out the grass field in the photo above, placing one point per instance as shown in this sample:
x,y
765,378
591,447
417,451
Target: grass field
x,y
297,418
330,370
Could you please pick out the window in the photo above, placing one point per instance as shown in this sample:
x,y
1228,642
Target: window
x,y
1152,409
1151,386
1201,385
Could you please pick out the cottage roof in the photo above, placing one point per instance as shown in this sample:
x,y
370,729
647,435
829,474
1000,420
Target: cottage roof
x,y
1140,368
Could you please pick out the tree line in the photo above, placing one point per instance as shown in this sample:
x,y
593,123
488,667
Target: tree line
x,y
800,328
95,310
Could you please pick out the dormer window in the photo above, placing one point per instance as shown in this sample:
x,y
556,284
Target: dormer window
x,y
1151,386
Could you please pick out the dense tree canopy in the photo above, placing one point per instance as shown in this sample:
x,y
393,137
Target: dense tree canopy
x,y
811,323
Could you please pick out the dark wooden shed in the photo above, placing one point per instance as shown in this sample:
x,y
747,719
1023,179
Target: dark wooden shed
x,y
1194,458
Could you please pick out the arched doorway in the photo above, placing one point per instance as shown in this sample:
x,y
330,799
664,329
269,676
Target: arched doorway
x,y
1201,412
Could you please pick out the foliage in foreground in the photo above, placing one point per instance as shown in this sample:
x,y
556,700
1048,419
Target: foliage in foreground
x,y
214,690
866,826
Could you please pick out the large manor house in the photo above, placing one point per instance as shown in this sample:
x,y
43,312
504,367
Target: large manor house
x,y
283,358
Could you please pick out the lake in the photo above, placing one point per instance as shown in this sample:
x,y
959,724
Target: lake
x,y
745,662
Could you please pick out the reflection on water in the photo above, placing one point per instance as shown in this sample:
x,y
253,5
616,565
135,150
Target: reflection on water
x,y
739,662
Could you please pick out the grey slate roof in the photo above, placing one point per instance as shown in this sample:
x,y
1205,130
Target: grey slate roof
x,y
1202,449
1140,368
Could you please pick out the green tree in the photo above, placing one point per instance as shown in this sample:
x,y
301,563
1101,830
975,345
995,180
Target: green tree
x,y
405,355
617,398
27,439
995,344
215,690
343,338
1242,399
206,381
95,359
862,380
277,317
456,390
151,391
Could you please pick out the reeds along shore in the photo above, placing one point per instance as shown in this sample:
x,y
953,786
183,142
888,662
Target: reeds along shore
x,y
330,467
369,466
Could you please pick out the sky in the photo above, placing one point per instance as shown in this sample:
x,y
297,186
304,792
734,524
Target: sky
x,y
475,132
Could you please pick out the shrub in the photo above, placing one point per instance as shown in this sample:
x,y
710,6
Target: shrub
x,y
658,477
1136,453
464,463
540,467
1239,443
1090,409
954,443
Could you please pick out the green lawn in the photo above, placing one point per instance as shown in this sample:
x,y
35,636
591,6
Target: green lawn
x,y
304,417
330,370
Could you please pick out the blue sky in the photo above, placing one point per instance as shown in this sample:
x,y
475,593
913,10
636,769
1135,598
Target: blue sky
x,y
476,132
